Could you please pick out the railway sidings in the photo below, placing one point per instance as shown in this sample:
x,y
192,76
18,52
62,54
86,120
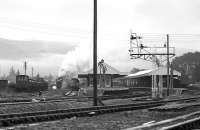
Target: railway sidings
x,y
39,116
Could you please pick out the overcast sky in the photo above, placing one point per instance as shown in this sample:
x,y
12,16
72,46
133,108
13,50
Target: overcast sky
x,y
49,33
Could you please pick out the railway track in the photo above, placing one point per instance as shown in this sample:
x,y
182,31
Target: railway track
x,y
185,122
30,117
41,100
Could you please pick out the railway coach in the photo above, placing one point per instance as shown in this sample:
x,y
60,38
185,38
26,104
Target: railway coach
x,y
3,84
24,83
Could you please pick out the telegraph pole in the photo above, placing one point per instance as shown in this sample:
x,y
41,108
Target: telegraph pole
x,y
95,55
168,64
25,67
32,69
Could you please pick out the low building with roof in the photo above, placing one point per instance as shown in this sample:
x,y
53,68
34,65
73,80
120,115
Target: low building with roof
x,y
110,74
144,78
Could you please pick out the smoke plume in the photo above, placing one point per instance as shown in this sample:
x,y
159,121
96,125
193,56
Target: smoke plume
x,y
75,61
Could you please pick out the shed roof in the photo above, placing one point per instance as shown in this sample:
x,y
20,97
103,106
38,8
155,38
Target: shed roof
x,y
158,71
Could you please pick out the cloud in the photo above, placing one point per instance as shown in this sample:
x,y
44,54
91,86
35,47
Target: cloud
x,y
16,50
168,16
39,20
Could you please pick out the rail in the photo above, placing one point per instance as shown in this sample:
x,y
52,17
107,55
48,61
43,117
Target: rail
x,y
184,122
30,117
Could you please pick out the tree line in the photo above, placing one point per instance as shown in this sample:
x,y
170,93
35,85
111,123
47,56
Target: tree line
x,y
189,66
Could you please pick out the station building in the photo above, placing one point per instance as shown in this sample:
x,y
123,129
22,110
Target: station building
x,y
145,78
108,78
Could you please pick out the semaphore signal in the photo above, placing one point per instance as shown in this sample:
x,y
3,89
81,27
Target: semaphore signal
x,y
155,54
140,51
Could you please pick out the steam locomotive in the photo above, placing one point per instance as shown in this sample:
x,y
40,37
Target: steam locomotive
x,y
70,84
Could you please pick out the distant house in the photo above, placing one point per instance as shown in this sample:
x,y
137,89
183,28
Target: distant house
x,y
144,78
110,74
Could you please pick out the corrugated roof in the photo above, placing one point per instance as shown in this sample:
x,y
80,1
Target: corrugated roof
x,y
140,73
158,71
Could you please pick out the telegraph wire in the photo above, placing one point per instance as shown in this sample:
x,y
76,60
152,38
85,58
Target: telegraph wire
x,y
44,29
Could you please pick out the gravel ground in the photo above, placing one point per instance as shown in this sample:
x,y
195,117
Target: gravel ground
x,y
114,121
66,104
4,95
5,109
